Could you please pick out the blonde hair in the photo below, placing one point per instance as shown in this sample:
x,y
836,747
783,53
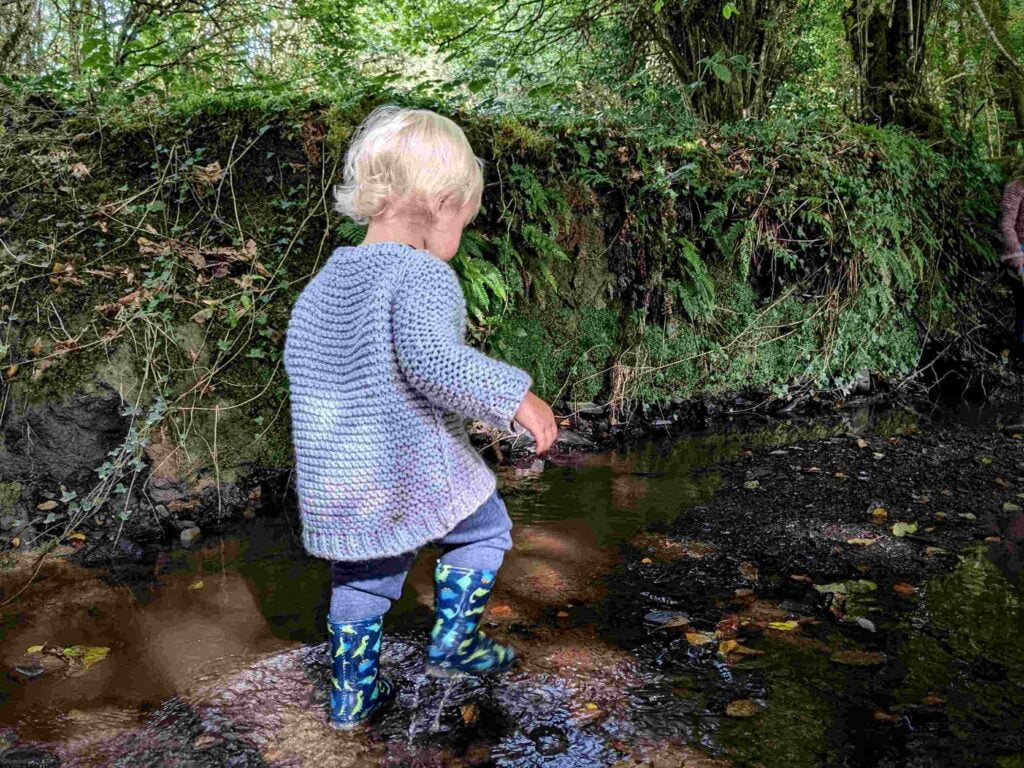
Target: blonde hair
x,y
413,155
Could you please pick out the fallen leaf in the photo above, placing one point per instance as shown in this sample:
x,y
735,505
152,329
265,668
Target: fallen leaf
x,y
784,626
749,571
861,542
903,529
736,647
47,505
647,561
854,587
865,624
1009,506
993,539
801,578
933,700
862,443
76,536
885,717
879,515
699,638
752,485
741,708
16,542
728,627
858,658
35,648
676,623
197,584
469,712
88,655
904,589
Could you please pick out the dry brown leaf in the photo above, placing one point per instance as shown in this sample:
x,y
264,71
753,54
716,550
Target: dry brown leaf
x,y
741,708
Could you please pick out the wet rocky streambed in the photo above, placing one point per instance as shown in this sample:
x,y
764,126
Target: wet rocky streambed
x,y
844,591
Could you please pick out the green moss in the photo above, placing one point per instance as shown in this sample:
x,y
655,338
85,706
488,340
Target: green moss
x,y
10,494
606,257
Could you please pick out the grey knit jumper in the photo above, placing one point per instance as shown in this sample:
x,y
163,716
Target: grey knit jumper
x,y
381,381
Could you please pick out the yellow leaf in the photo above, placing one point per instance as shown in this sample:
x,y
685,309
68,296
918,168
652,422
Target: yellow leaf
x,y
47,505
89,654
699,638
590,705
16,542
861,542
785,626
741,708
197,584
76,536
34,649
734,646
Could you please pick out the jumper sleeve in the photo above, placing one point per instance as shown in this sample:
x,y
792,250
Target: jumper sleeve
x,y
429,324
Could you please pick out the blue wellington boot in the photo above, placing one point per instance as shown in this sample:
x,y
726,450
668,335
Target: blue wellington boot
x,y
357,690
457,647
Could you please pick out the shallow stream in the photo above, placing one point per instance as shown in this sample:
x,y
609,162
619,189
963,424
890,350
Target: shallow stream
x,y
216,657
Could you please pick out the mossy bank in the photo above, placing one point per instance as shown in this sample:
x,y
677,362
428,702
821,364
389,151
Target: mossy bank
x,y
150,259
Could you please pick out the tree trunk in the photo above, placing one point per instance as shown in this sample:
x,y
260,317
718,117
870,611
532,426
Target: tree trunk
x,y
732,67
889,44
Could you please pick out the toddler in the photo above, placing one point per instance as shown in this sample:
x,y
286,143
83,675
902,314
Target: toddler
x,y
381,381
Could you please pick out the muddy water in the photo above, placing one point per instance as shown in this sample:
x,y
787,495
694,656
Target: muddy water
x,y
216,655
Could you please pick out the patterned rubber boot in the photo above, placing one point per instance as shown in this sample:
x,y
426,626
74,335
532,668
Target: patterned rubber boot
x,y
457,646
357,690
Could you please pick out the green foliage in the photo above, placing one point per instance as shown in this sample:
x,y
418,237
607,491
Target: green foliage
x,y
610,260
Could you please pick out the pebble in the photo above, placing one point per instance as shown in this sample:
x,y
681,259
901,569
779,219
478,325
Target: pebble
x,y
189,535
31,672
181,525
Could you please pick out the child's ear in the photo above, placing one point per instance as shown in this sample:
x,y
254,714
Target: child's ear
x,y
445,201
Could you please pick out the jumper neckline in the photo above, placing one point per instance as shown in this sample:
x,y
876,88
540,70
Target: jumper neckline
x,y
384,242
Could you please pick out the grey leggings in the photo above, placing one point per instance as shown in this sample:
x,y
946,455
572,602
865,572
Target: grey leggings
x,y
365,588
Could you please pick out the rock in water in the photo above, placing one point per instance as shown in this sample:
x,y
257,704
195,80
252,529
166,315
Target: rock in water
x,y
189,535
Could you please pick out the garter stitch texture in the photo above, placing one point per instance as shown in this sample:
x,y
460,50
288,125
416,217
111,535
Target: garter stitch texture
x,y
381,380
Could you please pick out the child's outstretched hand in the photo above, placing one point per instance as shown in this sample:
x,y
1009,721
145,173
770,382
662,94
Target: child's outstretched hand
x,y
536,416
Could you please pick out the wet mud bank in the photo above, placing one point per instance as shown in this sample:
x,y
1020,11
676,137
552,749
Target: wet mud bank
x,y
841,590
